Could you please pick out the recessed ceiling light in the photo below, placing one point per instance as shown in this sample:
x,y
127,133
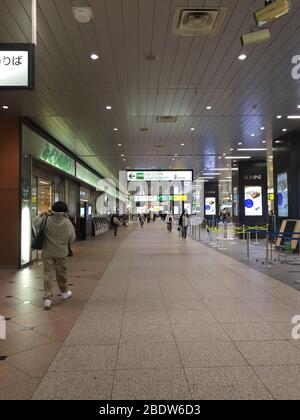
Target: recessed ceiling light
x,y
232,149
120,144
192,129
298,106
220,157
108,107
242,57
122,155
262,128
264,141
277,141
240,143
182,144
94,56
252,135
279,117
5,107
284,130
124,160
209,107
116,129
173,159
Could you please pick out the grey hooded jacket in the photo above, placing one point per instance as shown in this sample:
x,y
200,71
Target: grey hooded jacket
x,y
59,231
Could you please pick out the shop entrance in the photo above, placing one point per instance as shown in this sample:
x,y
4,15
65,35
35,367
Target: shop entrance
x,y
44,196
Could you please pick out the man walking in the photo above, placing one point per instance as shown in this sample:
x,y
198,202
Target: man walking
x,y
58,233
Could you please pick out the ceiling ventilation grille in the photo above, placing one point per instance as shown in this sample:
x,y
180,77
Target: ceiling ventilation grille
x,y
166,119
198,21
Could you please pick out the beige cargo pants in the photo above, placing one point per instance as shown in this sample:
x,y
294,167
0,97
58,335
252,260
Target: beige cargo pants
x,y
57,265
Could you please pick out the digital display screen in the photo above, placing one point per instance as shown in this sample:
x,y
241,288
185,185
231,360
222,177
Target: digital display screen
x,y
210,206
253,201
283,195
82,212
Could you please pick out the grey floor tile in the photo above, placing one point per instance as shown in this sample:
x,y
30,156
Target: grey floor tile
x,y
253,331
223,383
95,385
196,332
137,305
150,333
191,316
282,381
146,317
151,384
230,315
85,357
210,354
95,334
269,353
146,356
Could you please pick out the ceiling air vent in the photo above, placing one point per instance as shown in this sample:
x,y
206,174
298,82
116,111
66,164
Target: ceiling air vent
x,y
166,119
198,21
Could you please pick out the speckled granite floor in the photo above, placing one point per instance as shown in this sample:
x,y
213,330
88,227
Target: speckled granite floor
x,y
169,319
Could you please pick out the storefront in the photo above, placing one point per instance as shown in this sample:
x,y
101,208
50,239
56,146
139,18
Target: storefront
x,y
51,174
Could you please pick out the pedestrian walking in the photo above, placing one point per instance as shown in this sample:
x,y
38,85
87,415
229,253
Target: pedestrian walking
x,y
58,232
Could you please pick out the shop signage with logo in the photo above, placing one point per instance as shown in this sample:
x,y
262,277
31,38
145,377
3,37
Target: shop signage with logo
x,y
17,66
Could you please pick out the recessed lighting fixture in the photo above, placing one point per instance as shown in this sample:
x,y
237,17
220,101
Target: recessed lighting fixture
x,y
293,117
173,159
277,141
124,160
209,107
264,141
5,107
182,144
120,144
116,129
231,149
262,128
252,135
94,56
224,154
238,157
284,130
242,57
240,143
122,155
220,157
257,149
108,107
192,129
279,117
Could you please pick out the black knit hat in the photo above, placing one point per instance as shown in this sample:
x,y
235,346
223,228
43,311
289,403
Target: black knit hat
x,y
60,207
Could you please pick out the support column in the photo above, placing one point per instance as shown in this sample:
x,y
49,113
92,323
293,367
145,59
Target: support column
x,y
10,144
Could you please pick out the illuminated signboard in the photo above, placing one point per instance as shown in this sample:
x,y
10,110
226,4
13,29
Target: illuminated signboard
x,y
17,66
210,206
283,195
159,176
253,201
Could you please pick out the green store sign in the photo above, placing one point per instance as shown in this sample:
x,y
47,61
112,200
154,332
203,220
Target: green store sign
x,y
53,156
140,176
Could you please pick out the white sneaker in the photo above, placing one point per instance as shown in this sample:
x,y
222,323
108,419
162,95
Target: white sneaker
x,y
47,304
66,295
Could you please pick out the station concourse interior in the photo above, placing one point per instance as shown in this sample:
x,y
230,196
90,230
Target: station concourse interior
x,y
170,131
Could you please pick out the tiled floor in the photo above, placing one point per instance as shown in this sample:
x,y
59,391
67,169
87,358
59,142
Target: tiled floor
x,y
152,317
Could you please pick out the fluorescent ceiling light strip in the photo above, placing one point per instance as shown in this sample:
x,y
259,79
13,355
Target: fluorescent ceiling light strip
x,y
257,149
208,174
293,117
237,157
219,169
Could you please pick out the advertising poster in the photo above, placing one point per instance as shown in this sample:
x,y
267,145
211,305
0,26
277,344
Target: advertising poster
x,y
283,195
253,201
210,206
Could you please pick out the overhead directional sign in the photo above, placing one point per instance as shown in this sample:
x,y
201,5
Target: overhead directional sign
x,y
17,66
159,176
